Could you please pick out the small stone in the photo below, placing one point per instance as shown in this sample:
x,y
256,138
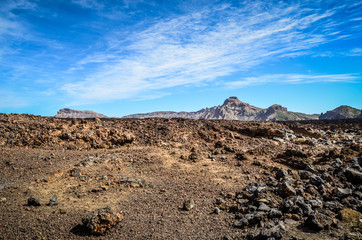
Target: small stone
x,y
101,220
287,206
188,205
316,180
306,208
219,200
240,156
34,201
334,206
353,176
286,190
263,207
316,203
336,163
281,174
193,156
242,201
343,192
256,218
252,208
217,210
272,231
275,213
75,172
304,174
313,223
53,201
241,223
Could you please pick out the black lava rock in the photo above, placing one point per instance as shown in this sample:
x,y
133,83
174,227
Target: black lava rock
x,y
34,201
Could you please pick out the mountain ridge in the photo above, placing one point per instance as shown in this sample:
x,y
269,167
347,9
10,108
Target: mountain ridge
x,y
231,109
71,113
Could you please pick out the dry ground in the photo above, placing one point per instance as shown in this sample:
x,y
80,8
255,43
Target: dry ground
x,y
169,161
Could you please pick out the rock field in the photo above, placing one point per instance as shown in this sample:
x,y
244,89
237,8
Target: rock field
x,y
179,179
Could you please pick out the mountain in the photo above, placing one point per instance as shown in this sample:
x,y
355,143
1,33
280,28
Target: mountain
x,y
233,109
70,113
341,112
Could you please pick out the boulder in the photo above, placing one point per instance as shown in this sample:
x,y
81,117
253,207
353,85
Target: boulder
x,y
101,220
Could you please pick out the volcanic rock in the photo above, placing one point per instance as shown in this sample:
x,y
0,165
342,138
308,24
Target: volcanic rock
x,y
353,176
286,190
34,201
101,220
53,201
188,205
343,192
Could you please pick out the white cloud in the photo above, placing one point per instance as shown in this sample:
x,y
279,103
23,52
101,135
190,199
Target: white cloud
x,y
291,79
94,4
202,46
355,52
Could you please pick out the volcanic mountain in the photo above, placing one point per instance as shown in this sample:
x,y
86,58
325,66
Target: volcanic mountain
x,y
342,112
234,109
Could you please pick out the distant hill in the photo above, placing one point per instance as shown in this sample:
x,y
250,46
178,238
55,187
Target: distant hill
x,y
70,113
342,112
233,109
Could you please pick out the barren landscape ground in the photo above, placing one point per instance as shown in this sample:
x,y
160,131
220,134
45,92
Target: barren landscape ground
x,y
256,180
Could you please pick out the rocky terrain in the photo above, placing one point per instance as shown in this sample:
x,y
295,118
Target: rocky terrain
x,y
70,113
179,179
233,109
342,112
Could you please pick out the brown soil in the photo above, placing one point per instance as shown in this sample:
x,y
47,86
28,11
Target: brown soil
x,y
37,155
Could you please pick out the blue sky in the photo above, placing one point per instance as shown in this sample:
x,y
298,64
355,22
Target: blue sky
x,y
119,57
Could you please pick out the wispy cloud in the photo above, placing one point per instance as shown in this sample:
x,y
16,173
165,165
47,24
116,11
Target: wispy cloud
x,y
202,46
354,52
94,4
291,79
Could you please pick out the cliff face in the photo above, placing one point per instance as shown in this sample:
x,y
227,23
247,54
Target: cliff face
x,y
341,112
70,113
233,109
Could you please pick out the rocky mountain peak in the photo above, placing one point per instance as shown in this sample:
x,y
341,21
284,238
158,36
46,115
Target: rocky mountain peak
x,y
278,107
341,112
233,109
233,101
